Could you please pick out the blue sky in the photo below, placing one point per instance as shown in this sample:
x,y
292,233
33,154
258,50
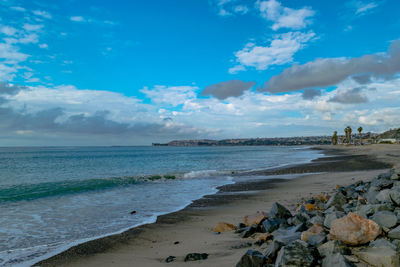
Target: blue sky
x,y
134,72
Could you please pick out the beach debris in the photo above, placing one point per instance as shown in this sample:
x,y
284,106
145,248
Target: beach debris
x,y
381,256
253,219
196,256
362,219
133,212
223,227
176,242
354,230
252,258
170,259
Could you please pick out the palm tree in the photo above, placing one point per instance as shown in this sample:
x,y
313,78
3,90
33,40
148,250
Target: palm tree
x,y
359,132
348,131
334,138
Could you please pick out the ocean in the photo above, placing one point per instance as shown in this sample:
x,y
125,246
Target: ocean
x,y
52,198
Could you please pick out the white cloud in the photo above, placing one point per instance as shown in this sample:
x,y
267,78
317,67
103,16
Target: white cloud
x,y
77,18
18,8
279,52
10,54
43,46
32,27
284,17
362,7
42,13
7,30
241,9
171,95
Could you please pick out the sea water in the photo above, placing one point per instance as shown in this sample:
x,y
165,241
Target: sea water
x,y
54,197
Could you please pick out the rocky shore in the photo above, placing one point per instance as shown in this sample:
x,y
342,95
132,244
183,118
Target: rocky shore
x,y
354,225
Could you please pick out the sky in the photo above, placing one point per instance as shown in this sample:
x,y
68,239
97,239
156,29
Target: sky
x,y
135,72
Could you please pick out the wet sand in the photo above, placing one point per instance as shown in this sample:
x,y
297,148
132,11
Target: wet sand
x,y
190,230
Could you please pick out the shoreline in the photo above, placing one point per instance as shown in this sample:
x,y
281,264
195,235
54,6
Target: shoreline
x,y
223,200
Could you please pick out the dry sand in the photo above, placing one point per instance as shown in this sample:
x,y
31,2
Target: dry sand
x,y
150,245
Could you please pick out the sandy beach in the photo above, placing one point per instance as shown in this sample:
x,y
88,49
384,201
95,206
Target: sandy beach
x,y
190,230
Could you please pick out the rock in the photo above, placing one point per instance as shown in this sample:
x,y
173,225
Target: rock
x,y
133,212
242,245
272,251
337,260
331,217
170,259
252,258
223,227
337,200
395,233
262,238
297,253
322,197
248,231
288,235
317,220
382,256
383,196
385,219
395,195
332,247
371,195
270,225
196,256
316,240
279,211
254,219
366,211
298,219
382,183
381,242
314,230
395,176
354,230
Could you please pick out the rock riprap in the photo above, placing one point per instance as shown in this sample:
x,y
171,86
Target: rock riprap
x,y
352,225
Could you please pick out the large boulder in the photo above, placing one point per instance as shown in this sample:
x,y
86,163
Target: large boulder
x,y
354,230
248,231
254,219
333,247
252,258
383,196
381,256
385,219
223,227
297,253
270,225
279,211
381,242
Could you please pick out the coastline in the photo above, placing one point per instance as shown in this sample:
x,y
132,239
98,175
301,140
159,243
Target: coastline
x,y
150,244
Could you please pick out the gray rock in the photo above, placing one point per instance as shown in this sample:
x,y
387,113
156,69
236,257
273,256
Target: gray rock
x,y
337,200
382,183
298,218
382,256
371,195
383,196
316,240
297,253
248,231
196,256
252,258
331,217
317,220
381,242
366,210
271,251
395,195
395,233
385,219
170,259
395,176
242,245
336,260
279,211
332,247
290,234
270,225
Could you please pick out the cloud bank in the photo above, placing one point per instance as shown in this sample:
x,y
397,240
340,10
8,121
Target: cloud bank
x,y
227,89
